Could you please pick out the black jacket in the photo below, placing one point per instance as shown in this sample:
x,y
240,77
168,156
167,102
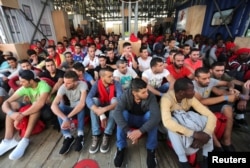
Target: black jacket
x,y
125,102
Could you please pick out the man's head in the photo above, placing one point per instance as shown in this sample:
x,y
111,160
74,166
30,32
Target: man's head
x,y
110,53
220,42
91,52
157,65
25,64
186,49
32,54
122,66
68,57
217,69
144,52
51,50
194,54
70,79
78,48
50,66
60,46
202,76
106,75
127,47
139,88
27,78
178,60
171,42
102,60
79,69
184,88
12,61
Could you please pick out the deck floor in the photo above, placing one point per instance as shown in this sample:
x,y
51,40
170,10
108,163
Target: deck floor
x,y
43,152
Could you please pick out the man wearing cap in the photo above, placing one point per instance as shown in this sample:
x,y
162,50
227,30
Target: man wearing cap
x,y
37,91
238,65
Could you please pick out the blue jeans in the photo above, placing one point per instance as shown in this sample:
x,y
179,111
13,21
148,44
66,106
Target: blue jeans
x,y
164,88
136,121
80,118
95,121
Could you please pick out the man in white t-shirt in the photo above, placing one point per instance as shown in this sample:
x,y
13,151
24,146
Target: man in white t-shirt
x,y
144,59
91,60
155,75
124,74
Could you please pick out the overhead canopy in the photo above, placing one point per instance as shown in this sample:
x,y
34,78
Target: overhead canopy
x,y
105,10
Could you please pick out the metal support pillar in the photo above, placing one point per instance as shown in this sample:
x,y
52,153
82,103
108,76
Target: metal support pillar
x,y
223,21
9,36
123,22
136,19
129,18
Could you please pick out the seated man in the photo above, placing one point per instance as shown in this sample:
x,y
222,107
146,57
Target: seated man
x,y
124,74
217,71
204,86
139,109
155,76
25,65
177,69
37,91
197,134
54,75
194,61
101,100
76,91
82,75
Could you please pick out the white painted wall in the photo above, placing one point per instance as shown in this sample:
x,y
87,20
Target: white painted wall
x,y
26,29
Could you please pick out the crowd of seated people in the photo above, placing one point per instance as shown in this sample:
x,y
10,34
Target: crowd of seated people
x,y
173,76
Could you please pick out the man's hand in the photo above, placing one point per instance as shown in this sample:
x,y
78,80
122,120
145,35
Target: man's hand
x,y
201,136
66,125
242,104
247,84
232,98
100,110
134,135
197,144
17,116
48,100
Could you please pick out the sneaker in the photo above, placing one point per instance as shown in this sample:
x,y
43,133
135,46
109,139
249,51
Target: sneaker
x,y
151,159
95,144
184,165
79,143
67,143
105,144
6,145
119,156
18,152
